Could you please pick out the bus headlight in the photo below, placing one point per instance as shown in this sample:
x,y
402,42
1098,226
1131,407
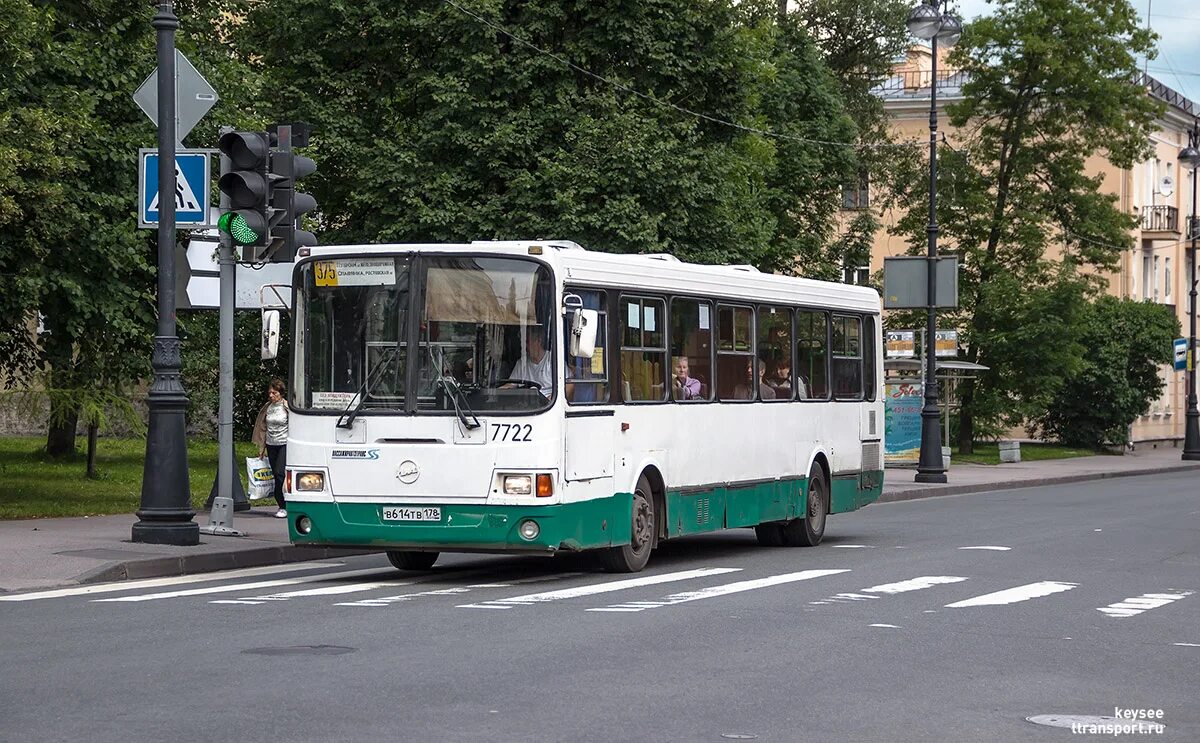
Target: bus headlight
x,y
518,484
310,481
529,530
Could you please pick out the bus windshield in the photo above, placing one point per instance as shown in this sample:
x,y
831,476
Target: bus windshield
x,y
483,335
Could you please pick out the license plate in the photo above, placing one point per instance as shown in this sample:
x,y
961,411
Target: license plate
x,y
406,513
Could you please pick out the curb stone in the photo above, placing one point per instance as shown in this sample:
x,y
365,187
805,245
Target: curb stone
x,y
939,490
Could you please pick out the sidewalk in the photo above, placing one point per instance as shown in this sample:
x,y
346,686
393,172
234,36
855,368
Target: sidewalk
x,y
54,552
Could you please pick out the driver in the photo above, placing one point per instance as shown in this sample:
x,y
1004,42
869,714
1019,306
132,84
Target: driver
x,y
534,366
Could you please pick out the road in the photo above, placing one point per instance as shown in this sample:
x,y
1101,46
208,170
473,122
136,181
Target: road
x,y
947,619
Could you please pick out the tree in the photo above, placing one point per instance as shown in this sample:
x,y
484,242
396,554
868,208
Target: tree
x,y
1051,84
436,122
70,251
1126,343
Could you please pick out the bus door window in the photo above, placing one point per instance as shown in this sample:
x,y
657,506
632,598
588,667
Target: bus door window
x,y
847,358
691,350
736,373
870,358
587,379
812,355
643,349
775,353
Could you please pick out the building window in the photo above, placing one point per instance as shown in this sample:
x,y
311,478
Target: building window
x,y
1167,280
857,275
857,195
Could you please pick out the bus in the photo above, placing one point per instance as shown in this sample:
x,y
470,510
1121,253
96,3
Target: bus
x,y
537,397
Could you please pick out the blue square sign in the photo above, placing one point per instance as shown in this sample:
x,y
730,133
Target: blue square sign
x,y
192,194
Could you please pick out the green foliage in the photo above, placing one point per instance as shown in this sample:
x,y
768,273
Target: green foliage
x,y
201,363
69,246
1052,84
1118,378
430,125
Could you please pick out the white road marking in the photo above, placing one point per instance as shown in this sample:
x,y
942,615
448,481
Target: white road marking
x,y
725,590
133,585
853,546
386,600
1188,644
992,547
579,591
323,591
915,584
1147,601
1015,595
850,597
893,626
249,586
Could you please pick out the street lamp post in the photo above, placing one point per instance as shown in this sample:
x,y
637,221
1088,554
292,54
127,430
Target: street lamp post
x,y
166,514
928,21
1189,157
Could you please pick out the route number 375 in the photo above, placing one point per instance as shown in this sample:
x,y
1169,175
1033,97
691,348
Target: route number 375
x,y
511,432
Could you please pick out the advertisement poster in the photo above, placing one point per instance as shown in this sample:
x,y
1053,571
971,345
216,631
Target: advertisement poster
x,y
902,424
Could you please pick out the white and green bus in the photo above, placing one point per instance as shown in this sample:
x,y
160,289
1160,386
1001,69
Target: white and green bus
x,y
537,397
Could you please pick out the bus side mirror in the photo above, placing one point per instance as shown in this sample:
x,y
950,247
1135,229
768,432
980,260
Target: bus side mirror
x,y
270,334
583,332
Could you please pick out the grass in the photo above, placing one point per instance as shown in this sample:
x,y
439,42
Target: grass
x,y
33,485
989,453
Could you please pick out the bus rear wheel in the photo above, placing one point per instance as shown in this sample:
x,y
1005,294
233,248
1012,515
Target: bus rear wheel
x,y
808,531
404,560
632,557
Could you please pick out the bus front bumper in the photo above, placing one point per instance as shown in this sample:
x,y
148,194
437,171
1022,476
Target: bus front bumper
x,y
572,527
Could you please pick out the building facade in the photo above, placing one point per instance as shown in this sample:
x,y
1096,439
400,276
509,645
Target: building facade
x,y
1158,192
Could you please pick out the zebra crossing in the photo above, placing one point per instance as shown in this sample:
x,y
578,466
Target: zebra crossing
x,y
821,589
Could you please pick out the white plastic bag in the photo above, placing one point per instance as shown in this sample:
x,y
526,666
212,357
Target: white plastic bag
x,y
261,478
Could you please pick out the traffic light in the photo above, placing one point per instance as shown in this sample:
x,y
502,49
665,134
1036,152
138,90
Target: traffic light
x,y
286,169
247,220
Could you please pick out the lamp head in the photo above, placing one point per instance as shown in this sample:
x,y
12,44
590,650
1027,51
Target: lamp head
x,y
924,21
1189,157
950,32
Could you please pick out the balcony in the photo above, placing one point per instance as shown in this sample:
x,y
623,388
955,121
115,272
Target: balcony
x,y
1193,228
1160,219
916,84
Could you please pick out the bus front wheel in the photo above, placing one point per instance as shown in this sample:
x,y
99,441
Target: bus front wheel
x,y
403,560
632,557
808,531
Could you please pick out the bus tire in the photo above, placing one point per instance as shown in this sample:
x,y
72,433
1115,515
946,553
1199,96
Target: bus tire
x,y
808,531
632,557
769,534
405,560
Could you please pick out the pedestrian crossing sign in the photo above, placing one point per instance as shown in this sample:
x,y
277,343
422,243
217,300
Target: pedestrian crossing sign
x,y
193,174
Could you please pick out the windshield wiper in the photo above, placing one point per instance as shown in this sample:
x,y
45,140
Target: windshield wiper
x,y
347,418
456,394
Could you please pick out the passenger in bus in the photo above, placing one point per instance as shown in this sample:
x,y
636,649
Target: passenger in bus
x,y
684,387
745,389
534,365
780,379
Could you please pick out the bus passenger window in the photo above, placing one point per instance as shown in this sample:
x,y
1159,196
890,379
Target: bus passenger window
x,y
643,349
812,356
847,358
735,353
587,379
775,352
691,350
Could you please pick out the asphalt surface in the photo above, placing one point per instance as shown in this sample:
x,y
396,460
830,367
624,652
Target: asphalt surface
x,y
889,631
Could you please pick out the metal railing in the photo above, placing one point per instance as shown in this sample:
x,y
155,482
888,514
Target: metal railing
x,y
917,83
1160,218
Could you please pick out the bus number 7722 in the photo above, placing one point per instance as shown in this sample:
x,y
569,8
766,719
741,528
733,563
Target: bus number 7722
x,y
511,432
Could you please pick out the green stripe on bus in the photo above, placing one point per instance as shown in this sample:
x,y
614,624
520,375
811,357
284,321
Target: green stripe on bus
x,y
570,526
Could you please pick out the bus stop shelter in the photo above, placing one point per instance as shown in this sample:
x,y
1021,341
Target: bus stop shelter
x,y
904,385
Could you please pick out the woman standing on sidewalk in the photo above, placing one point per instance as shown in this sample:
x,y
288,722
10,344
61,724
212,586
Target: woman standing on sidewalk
x,y
270,433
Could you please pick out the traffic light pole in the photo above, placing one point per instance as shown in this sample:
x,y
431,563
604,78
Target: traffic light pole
x,y
165,515
223,505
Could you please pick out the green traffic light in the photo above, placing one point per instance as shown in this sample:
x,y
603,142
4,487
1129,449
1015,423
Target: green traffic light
x,y
235,225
